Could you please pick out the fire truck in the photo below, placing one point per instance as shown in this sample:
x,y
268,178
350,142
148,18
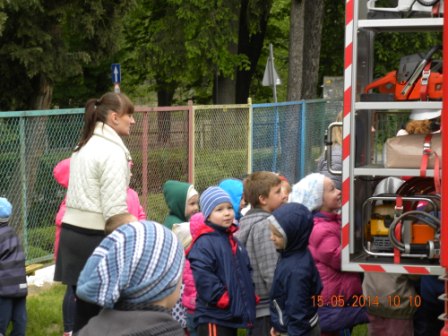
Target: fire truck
x,y
392,186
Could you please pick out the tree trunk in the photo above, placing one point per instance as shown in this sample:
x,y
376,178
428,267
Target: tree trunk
x,y
35,144
304,48
304,52
224,90
250,45
165,94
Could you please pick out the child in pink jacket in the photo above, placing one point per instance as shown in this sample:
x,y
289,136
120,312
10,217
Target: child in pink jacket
x,y
61,173
341,289
189,294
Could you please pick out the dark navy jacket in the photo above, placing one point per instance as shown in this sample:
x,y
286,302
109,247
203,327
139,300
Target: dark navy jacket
x,y
12,264
296,278
222,274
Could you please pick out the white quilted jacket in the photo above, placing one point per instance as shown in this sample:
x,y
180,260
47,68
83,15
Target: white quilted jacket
x,y
99,179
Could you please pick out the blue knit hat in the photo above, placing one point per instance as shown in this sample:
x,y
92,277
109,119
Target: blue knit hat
x,y
5,210
140,262
309,191
211,198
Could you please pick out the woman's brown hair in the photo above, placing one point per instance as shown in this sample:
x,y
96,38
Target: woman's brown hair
x,y
98,110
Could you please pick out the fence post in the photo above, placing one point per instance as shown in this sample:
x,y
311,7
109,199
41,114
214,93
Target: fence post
x,y
191,142
23,183
250,136
145,160
303,138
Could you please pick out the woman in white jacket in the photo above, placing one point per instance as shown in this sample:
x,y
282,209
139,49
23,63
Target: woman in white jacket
x,y
97,189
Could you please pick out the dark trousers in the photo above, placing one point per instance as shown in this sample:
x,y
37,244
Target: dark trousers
x,y
13,310
69,309
211,329
262,326
84,312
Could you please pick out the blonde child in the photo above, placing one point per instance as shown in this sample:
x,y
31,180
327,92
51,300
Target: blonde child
x,y
319,194
221,269
116,221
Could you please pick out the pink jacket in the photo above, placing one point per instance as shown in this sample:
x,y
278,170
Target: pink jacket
x,y
189,294
134,206
325,246
61,173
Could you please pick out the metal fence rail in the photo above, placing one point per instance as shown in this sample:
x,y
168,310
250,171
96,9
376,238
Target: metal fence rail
x,y
200,144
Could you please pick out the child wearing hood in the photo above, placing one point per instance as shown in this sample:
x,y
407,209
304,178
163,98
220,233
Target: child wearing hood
x,y
296,281
320,195
234,187
182,201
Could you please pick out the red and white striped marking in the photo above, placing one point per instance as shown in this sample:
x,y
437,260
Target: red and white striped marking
x,y
348,63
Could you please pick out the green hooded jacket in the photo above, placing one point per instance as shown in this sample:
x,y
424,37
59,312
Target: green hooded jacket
x,y
175,193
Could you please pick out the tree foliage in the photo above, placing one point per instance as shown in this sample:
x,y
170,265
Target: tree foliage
x,y
47,41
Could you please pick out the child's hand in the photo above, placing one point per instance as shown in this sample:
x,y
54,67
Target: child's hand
x,y
274,333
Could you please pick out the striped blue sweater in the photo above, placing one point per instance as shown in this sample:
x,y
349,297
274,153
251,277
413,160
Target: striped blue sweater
x,y
12,264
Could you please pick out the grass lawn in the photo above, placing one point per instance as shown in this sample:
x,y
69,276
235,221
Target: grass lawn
x,y
44,306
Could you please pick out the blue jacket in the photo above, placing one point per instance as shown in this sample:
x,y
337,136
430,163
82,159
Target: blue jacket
x,y
222,274
12,264
296,278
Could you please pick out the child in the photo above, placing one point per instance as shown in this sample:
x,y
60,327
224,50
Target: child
x,y
179,312
262,190
182,200
13,286
61,173
319,194
189,292
234,188
116,221
286,188
121,274
221,269
296,280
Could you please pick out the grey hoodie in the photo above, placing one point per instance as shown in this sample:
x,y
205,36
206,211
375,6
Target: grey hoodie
x,y
254,234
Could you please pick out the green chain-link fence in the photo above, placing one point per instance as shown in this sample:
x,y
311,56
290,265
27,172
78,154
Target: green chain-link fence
x,y
200,144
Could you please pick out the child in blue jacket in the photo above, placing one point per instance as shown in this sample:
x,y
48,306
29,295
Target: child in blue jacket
x,y
221,270
296,283
13,286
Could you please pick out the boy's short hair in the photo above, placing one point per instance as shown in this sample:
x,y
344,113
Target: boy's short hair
x,y
259,184
118,220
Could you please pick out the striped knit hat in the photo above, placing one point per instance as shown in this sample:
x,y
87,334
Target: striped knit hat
x,y
211,198
138,263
